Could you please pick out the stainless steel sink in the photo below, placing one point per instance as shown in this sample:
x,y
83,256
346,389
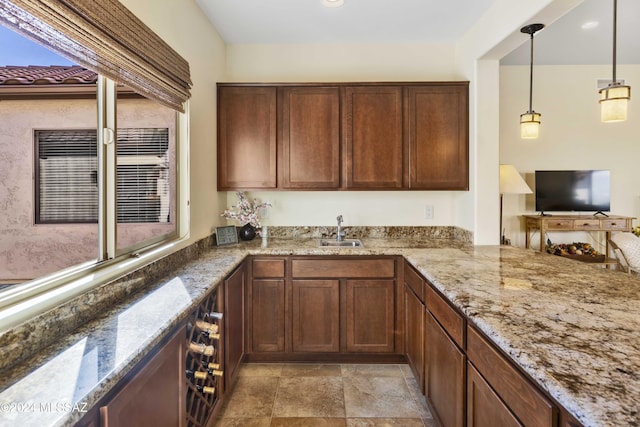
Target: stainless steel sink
x,y
345,243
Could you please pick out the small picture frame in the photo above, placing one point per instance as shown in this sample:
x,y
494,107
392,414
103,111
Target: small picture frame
x,y
226,235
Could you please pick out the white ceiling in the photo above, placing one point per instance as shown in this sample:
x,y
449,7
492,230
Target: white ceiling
x,y
425,21
565,42
357,21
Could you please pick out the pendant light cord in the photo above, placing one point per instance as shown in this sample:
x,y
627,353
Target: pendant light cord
x,y
531,77
615,31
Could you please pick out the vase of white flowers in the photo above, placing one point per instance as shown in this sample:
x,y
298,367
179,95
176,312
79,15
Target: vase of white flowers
x,y
247,214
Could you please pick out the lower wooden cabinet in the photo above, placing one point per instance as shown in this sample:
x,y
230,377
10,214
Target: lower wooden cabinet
x,y
414,312
521,397
154,396
370,311
484,407
315,309
414,322
444,376
234,323
339,307
267,315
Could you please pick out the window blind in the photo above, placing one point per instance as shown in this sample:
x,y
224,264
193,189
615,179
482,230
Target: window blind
x,y
143,175
66,177
105,37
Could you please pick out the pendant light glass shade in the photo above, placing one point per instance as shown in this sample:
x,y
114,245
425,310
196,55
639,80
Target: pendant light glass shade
x,y
613,103
614,97
530,121
529,125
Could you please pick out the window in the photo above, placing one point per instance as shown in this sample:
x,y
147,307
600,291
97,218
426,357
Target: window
x,y
143,190
100,43
67,176
70,199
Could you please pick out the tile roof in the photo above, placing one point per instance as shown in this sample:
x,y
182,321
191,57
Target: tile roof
x,y
46,75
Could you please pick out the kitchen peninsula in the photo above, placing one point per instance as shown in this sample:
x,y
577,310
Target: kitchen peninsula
x,y
571,328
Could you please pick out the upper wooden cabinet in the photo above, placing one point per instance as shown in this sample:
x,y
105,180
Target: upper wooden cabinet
x,y
437,119
372,137
246,137
309,137
343,136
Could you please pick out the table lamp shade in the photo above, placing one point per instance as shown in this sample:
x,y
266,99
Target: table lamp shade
x,y
511,182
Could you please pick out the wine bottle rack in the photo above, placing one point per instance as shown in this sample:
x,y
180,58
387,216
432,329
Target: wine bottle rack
x,y
200,400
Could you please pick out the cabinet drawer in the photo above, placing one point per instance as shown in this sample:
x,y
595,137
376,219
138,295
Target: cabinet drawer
x,y
560,224
586,224
451,321
343,268
414,280
484,407
267,267
614,224
526,402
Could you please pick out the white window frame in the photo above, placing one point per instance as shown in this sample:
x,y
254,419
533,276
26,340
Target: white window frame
x,y
22,302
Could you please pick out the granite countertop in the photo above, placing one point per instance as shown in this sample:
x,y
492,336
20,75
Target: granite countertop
x,y
573,327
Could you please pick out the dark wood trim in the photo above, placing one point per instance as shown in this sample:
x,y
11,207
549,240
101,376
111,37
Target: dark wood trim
x,y
327,357
464,83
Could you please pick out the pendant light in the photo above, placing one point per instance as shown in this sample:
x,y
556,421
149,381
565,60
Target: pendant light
x,y
530,121
614,97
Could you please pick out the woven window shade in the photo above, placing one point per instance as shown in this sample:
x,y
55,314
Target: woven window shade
x,y
105,37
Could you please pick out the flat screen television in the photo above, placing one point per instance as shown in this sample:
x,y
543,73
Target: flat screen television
x,y
573,190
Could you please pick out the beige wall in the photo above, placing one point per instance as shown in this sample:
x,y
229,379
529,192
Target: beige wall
x,y
474,58
185,28
478,52
326,63
571,136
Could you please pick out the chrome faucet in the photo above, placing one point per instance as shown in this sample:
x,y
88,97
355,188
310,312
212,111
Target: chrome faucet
x,y
340,235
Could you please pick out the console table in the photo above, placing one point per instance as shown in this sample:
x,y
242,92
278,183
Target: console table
x,y
575,223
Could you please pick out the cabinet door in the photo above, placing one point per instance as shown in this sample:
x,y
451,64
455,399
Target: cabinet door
x,y
267,314
444,376
372,137
309,137
246,137
414,334
437,131
484,407
520,396
234,330
316,316
155,395
370,314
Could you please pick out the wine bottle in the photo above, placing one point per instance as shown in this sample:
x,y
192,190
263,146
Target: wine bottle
x,y
211,336
210,328
196,375
215,372
205,389
210,366
201,348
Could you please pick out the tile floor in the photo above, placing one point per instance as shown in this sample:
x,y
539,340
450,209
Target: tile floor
x,y
324,395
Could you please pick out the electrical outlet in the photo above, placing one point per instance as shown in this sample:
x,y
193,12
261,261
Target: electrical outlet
x,y
428,211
